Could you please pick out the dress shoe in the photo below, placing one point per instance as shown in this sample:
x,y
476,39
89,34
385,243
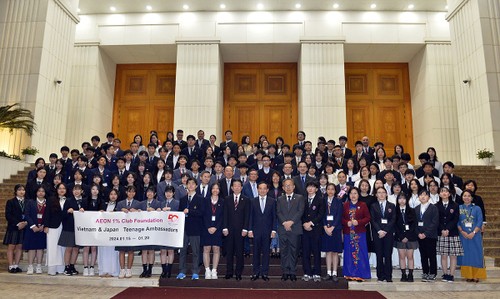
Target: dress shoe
x,y
293,277
265,277
238,277
228,276
335,278
284,277
254,277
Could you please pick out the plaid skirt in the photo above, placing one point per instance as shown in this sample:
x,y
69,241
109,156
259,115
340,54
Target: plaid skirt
x,y
449,246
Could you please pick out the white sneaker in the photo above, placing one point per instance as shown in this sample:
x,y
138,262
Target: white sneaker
x,y
208,274
30,270
214,274
122,273
91,271
39,269
85,271
128,273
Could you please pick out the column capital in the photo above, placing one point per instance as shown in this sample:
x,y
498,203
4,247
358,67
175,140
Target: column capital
x,y
322,40
204,40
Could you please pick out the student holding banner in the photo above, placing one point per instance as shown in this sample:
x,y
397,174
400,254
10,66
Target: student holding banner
x,y
167,253
108,257
130,204
148,252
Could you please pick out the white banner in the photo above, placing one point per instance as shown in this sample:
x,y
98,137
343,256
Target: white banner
x,y
129,229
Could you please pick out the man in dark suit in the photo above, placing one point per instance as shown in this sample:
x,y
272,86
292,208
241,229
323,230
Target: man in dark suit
x,y
383,220
312,222
179,141
300,181
263,225
250,187
339,163
301,139
226,182
449,167
236,220
190,151
346,152
201,143
229,143
204,188
290,208
367,149
360,154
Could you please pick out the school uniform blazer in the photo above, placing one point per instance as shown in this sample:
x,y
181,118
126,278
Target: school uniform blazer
x,y
262,224
52,217
32,186
232,145
194,155
173,205
160,189
177,174
294,213
123,205
207,214
411,220
204,144
347,153
106,175
155,204
31,212
111,164
68,221
89,205
265,177
430,219
194,219
376,218
448,218
315,212
336,210
13,213
180,192
208,190
237,218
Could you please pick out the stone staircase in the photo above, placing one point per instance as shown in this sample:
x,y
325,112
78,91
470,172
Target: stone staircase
x,y
487,178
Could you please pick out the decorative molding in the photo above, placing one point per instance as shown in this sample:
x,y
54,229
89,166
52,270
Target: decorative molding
x,y
140,24
261,23
68,11
201,40
87,43
384,23
455,10
437,42
322,40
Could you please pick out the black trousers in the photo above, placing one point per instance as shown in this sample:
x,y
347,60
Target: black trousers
x,y
427,249
234,248
311,241
289,248
383,250
261,250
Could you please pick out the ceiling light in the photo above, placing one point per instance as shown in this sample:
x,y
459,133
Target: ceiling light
x,y
222,6
411,6
446,7
298,5
260,6
336,5
373,6
185,6
112,8
149,7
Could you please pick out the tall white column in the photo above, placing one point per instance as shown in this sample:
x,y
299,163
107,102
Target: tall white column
x,y
36,46
90,110
433,103
322,101
475,37
199,87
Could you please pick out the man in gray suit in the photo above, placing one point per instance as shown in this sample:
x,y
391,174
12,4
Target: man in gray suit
x,y
290,208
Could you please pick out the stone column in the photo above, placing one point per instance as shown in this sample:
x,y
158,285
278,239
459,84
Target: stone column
x,y
475,40
322,100
199,87
36,48
433,102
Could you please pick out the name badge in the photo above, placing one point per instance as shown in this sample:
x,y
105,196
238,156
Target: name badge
x,y
213,218
420,223
468,224
384,221
407,227
329,218
39,216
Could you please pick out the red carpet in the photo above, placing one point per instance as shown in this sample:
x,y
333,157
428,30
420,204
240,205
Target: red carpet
x,y
207,293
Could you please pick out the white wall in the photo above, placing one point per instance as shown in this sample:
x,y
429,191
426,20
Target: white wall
x,y
91,98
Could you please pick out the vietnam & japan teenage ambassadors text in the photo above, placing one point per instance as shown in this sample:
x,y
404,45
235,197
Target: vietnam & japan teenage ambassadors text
x,y
129,229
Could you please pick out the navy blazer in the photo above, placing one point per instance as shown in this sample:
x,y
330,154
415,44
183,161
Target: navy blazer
x,y
315,212
31,212
13,213
173,205
68,221
123,205
208,191
336,209
376,218
194,218
430,219
237,218
106,175
53,213
155,204
410,219
247,189
208,212
90,205
448,218
263,223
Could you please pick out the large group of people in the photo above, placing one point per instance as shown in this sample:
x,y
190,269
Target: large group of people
x,y
287,201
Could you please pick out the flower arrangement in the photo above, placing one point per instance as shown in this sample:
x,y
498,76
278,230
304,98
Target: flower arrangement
x,y
30,150
484,154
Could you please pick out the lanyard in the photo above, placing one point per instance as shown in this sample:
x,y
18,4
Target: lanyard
x,y
214,209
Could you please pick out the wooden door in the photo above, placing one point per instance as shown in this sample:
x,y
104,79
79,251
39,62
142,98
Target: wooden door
x,y
261,99
144,101
378,104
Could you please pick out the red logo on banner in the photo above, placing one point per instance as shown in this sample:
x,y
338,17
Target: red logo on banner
x,y
172,218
